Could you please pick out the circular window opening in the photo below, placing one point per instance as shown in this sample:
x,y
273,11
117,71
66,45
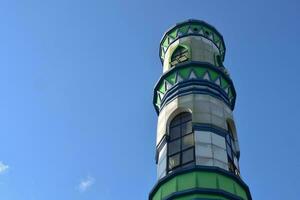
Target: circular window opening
x,y
195,29
206,32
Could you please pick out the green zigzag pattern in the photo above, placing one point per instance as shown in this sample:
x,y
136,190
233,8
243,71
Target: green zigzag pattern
x,y
191,28
193,72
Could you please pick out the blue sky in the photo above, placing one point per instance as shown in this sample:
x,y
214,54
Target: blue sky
x,y
76,83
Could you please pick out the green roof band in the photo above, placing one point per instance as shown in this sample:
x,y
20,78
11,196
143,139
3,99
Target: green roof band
x,y
192,71
193,27
173,34
183,29
162,88
200,179
186,72
214,75
171,78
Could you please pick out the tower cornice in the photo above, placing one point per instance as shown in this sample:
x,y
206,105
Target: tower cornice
x,y
189,28
202,73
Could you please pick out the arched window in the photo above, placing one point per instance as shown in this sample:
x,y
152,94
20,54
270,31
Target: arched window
x,y
179,55
181,148
231,152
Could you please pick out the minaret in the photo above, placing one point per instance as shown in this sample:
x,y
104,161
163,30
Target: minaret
x,y
197,149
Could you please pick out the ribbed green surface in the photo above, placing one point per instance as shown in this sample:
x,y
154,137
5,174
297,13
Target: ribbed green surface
x,y
201,180
204,196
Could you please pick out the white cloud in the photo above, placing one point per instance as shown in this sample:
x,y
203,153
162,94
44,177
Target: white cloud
x,y
3,167
86,183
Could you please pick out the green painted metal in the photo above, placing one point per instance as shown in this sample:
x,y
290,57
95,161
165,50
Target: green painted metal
x,y
165,43
162,87
202,180
224,83
171,78
199,71
183,29
214,75
173,34
184,73
158,101
196,28
202,196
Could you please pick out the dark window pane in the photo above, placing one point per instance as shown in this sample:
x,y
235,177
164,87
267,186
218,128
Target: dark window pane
x,y
230,166
174,161
186,117
179,55
175,121
186,128
174,146
229,151
188,141
174,132
187,156
181,142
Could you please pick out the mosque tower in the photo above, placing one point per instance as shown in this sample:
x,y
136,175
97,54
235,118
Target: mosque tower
x,y
197,148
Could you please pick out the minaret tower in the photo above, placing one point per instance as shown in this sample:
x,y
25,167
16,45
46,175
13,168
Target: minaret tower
x,y
197,149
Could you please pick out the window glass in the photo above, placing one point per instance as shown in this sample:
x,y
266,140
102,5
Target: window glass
x,y
187,141
174,146
174,161
230,166
186,128
186,117
175,121
233,146
181,142
228,138
188,156
179,55
175,132
229,152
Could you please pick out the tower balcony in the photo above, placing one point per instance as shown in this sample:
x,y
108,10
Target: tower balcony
x,y
193,77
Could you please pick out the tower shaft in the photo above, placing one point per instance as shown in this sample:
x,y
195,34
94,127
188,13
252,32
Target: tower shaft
x,y
197,149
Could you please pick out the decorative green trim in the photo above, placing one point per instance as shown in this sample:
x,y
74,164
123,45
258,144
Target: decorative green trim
x,y
224,83
162,88
192,27
202,196
185,72
213,75
209,184
171,78
200,71
196,71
